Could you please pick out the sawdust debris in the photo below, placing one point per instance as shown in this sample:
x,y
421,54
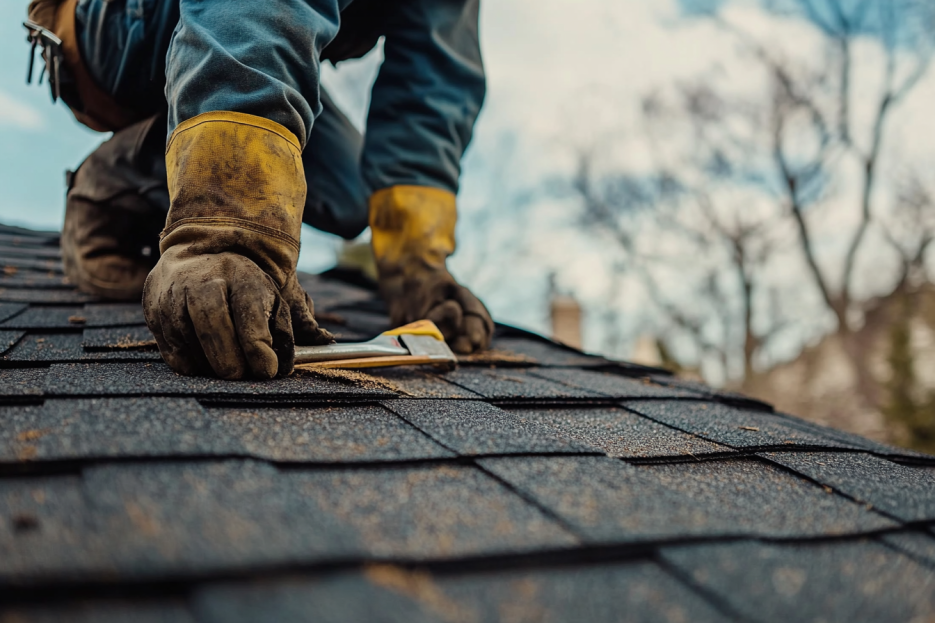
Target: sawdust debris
x,y
354,377
495,355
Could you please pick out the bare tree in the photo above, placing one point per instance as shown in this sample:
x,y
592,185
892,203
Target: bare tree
x,y
739,185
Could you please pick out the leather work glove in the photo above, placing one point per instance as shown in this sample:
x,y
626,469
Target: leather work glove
x,y
224,298
413,234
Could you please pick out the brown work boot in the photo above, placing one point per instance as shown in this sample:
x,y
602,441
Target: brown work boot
x,y
115,208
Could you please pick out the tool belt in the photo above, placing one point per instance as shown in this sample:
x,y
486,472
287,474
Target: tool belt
x,y
51,27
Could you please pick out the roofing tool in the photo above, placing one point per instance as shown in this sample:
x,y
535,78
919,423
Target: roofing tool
x,y
418,343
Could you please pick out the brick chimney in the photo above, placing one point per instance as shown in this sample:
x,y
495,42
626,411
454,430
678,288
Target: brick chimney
x,y
565,313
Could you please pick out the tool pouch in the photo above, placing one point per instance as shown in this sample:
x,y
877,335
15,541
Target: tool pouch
x,y
69,77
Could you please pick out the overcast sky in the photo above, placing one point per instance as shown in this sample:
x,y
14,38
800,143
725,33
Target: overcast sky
x,y
558,79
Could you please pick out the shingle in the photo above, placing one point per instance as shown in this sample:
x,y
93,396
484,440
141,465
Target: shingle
x,y
820,582
40,317
516,348
29,250
543,353
612,385
609,500
717,394
329,434
11,234
362,322
168,518
854,441
164,519
35,280
421,383
113,314
905,492
46,529
165,611
472,427
8,310
91,428
44,296
429,512
46,347
342,598
514,384
17,382
67,347
118,338
8,339
621,433
157,379
331,293
101,427
635,592
18,261
731,426
919,545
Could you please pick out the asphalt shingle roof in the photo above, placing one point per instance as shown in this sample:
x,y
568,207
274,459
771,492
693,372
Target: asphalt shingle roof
x,y
534,483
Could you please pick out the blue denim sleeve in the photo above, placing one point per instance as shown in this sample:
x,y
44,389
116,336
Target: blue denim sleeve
x,y
123,45
258,58
427,96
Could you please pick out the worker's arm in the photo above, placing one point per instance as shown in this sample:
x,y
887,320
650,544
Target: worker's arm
x,y
242,87
425,101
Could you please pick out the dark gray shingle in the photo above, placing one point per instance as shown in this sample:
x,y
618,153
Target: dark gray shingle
x,y
421,383
635,592
919,545
44,296
8,339
118,338
612,385
621,433
738,428
18,382
38,317
342,598
820,582
67,347
107,427
323,434
428,512
514,384
905,492
101,611
473,427
113,314
157,379
608,500
8,310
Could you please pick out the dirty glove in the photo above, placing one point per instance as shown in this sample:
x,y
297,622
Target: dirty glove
x,y
224,298
413,234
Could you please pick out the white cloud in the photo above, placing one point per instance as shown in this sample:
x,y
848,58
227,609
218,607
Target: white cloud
x,y
15,113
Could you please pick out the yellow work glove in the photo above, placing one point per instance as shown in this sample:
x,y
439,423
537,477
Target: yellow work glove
x,y
224,298
413,231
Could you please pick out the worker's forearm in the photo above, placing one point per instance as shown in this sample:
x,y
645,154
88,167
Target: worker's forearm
x,y
427,96
257,58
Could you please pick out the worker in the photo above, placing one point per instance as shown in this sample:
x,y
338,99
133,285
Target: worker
x,y
252,148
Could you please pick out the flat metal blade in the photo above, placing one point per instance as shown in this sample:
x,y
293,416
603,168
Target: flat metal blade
x,y
380,346
427,346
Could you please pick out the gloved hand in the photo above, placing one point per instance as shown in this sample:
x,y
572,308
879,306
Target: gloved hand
x,y
412,235
224,298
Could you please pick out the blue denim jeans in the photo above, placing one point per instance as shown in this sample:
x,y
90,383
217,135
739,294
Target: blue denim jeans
x,y
263,58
